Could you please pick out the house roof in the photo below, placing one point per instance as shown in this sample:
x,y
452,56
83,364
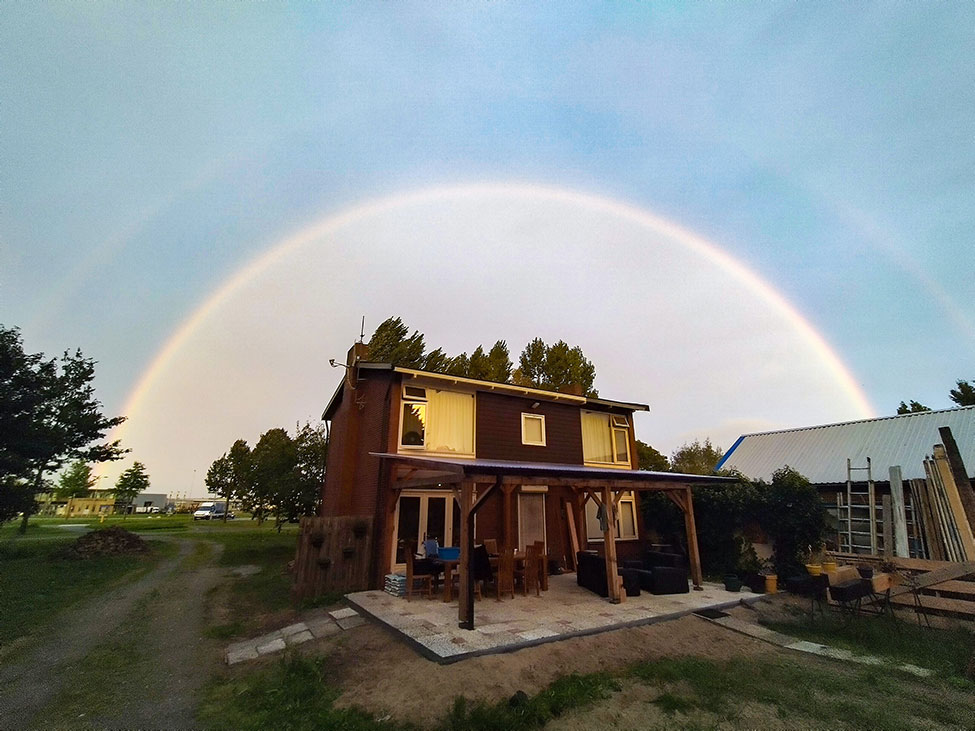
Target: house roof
x,y
480,385
504,468
820,452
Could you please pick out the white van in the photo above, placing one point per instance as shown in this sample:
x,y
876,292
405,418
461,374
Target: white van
x,y
211,511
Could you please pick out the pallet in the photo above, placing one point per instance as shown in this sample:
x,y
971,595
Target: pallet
x,y
954,589
937,605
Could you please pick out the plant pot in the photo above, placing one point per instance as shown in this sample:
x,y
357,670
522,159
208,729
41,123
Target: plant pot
x,y
771,584
814,569
732,583
866,572
829,566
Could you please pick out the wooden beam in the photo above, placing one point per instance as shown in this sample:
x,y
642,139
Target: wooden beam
x,y
901,545
692,551
573,536
445,479
483,496
465,594
960,475
616,596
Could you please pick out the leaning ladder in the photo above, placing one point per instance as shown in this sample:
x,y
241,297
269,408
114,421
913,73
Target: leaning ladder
x,y
871,506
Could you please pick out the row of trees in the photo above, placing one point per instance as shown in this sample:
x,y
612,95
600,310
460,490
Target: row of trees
x,y
552,367
962,395
49,416
281,476
77,480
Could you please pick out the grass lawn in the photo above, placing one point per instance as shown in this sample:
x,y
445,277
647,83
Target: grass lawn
x,y
36,585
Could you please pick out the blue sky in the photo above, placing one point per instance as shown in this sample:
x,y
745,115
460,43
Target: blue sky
x,y
149,151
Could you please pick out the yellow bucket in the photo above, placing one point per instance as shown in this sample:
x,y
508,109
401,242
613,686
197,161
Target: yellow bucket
x,y
771,584
829,566
814,569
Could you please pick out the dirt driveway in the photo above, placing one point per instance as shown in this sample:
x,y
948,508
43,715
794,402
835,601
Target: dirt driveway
x,y
132,658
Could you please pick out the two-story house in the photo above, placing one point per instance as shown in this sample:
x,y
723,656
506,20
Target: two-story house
x,y
402,441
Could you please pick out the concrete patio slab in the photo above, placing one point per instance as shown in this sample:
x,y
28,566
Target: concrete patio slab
x,y
565,610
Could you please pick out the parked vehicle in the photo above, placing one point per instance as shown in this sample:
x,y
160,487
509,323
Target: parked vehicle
x,y
211,511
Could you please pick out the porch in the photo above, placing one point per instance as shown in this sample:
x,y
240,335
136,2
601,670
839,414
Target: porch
x,y
565,610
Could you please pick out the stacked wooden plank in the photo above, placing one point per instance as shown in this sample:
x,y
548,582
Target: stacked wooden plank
x,y
940,588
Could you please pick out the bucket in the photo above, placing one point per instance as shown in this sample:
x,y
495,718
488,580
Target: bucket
x,y
814,569
829,566
771,584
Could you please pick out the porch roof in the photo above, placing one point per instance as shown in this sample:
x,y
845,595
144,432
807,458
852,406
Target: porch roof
x,y
557,472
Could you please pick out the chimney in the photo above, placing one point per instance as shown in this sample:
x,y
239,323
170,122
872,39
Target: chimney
x,y
358,351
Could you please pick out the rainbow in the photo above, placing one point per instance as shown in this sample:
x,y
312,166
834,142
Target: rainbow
x,y
331,224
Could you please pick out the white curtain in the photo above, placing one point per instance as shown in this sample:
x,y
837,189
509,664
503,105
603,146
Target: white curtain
x,y
597,440
450,422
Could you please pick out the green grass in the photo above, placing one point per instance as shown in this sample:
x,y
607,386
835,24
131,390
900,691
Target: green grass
x,y
36,585
294,693
530,712
944,651
808,693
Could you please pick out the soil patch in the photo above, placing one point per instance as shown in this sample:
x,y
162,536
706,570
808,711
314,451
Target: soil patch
x,y
112,541
382,675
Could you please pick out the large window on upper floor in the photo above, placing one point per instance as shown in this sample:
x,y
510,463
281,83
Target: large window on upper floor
x,y
605,438
439,421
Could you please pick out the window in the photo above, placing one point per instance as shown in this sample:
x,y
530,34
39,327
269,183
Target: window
x,y
605,438
437,421
533,429
626,526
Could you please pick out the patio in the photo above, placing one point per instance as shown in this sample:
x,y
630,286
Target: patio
x,y
565,610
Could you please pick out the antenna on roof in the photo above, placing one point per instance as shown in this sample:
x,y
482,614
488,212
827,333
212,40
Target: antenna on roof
x,y
362,330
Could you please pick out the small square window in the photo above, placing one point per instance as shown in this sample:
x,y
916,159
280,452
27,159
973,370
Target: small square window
x,y
533,430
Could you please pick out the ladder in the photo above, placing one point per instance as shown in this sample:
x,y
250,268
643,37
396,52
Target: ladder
x,y
860,512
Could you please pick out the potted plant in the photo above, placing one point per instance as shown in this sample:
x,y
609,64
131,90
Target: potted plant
x,y
732,582
771,578
865,571
813,559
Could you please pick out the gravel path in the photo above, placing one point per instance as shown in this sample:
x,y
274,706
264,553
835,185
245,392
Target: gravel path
x,y
181,658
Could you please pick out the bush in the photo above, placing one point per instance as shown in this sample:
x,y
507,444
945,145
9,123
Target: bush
x,y
793,517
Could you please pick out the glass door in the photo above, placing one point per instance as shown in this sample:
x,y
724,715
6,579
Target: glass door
x,y
422,515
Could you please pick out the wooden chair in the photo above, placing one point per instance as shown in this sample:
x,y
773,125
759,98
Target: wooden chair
x,y
412,577
528,573
542,565
491,544
505,582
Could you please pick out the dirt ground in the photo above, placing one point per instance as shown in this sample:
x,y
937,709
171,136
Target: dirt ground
x,y
382,675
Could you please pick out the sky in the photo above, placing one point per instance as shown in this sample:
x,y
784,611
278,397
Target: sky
x,y
749,215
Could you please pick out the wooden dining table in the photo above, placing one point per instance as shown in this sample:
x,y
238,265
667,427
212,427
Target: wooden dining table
x,y
450,564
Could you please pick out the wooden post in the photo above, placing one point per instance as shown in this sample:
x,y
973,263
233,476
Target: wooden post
x,y
507,528
465,593
570,515
888,527
956,508
957,468
609,538
693,553
901,545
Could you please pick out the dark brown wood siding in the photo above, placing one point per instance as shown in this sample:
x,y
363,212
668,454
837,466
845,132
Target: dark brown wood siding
x,y
498,430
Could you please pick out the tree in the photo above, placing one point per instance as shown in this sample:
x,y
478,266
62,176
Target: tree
x,y
390,344
912,408
650,458
964,395
75,481
48,416
696,458
130,483
275,477
241,476
311,445
555,367
794,517
499,363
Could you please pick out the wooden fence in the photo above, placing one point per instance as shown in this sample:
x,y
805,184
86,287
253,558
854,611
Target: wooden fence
x,y
332,556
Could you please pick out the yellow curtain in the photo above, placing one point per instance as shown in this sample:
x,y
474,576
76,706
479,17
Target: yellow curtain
x,y
597,440
450,422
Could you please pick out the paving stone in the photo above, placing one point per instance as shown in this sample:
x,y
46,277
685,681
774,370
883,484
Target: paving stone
x,y
350,622
245,570
537,634
241,654
238,646
300,637
293,629
323,627
344,613
275,645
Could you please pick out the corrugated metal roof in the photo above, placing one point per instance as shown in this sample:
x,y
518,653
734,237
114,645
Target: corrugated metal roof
x,y
820,452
